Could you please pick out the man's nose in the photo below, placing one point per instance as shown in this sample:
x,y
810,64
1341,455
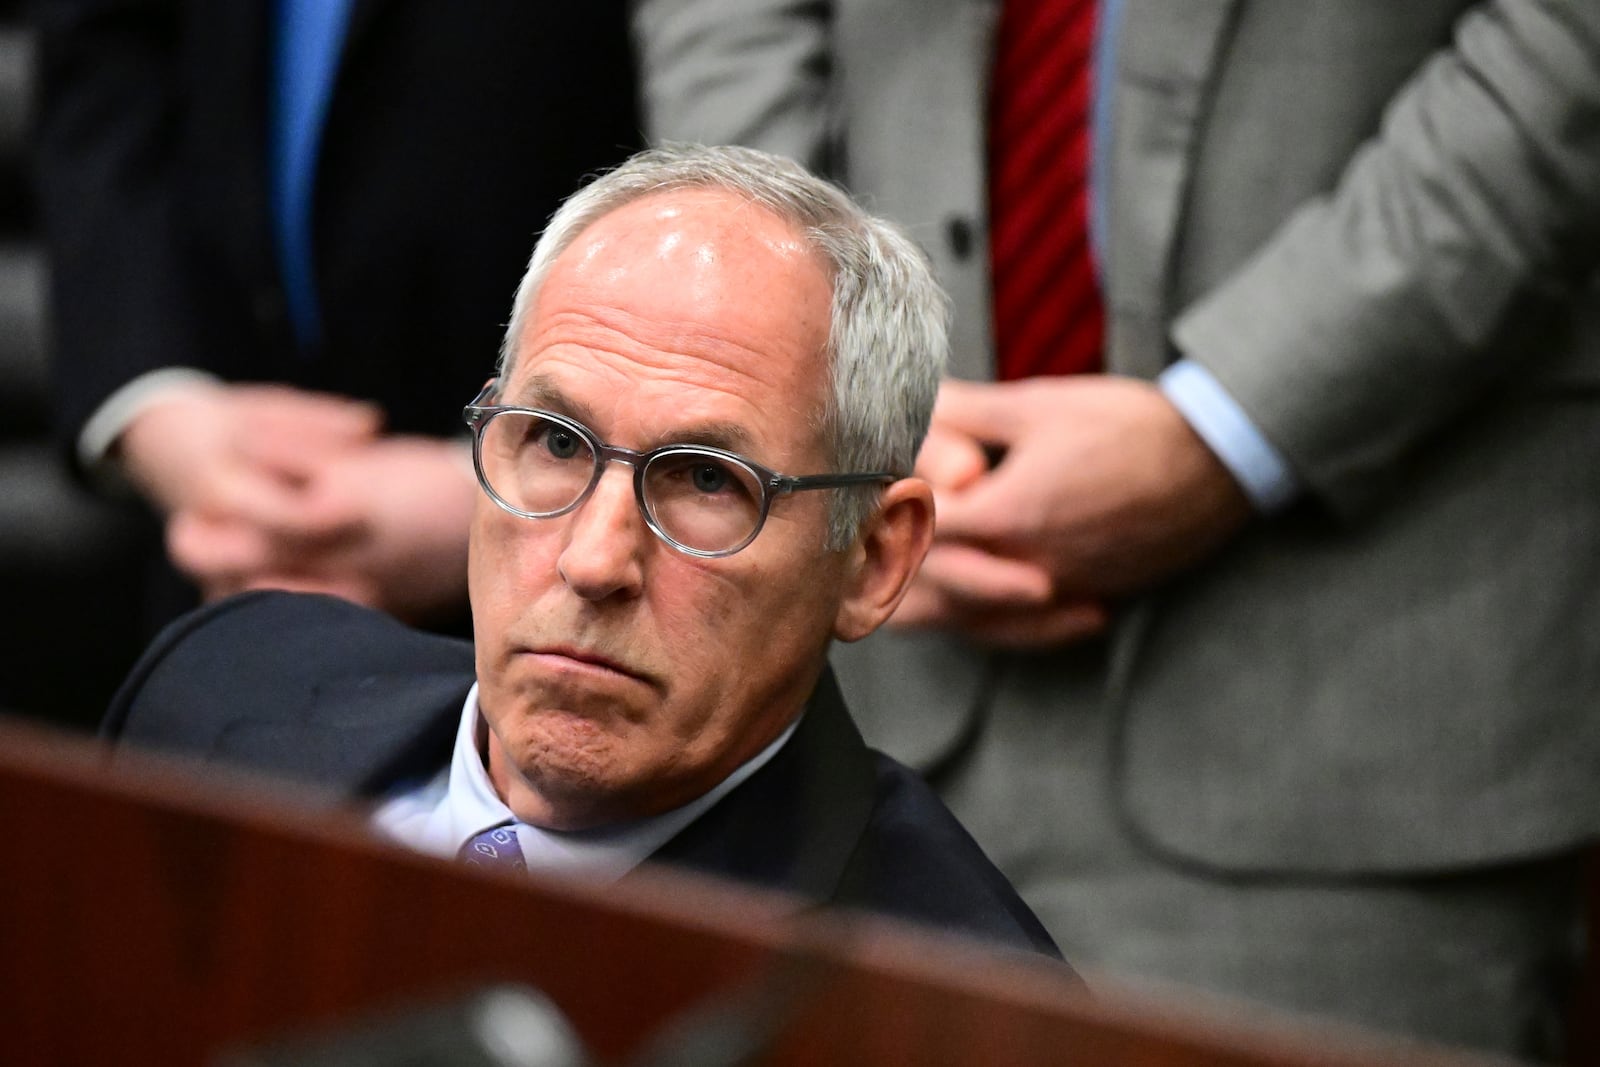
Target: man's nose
x,y
606,539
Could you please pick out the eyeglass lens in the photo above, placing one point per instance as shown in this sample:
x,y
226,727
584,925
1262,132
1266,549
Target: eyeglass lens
x,y
542,467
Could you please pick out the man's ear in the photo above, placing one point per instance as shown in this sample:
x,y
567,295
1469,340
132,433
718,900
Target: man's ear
x,y
885,558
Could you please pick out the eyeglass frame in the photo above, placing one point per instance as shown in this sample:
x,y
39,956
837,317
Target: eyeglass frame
x,y
478,415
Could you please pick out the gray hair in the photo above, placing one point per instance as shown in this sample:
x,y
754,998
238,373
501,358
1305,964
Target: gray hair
x,y
887,338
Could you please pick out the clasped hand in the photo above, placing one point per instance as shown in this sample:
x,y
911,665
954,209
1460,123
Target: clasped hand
x,y
1055,498
273,487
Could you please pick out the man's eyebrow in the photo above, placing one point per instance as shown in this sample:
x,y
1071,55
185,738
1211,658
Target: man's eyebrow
x,y
541,391
728,436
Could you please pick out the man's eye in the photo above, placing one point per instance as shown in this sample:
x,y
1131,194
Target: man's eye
x,y
710,477
561,442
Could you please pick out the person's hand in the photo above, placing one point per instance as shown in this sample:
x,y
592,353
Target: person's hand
x,y
232,466
407,555
970,589
1101,490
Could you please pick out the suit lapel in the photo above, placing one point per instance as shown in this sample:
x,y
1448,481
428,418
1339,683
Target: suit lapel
x,y
794,824
1166,63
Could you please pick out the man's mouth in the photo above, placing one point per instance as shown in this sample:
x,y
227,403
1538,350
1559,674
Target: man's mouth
x,y
581,660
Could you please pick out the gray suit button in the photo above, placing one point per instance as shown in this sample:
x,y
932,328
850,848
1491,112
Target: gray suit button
x,y
958,235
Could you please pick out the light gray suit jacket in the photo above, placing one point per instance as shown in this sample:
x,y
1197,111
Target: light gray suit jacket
x,y
1377,224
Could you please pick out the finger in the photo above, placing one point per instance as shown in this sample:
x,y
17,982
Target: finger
x,y
288,408
214,549
215,553
294,432
999,508
983,410
343,586
1059,624
926,608
300,516
975,579
290,454
950,459
218,589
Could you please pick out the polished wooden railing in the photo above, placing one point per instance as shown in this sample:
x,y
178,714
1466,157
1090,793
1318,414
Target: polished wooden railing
x,y
152,913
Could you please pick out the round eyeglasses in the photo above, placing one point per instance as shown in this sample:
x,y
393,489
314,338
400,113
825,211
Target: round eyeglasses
x,y
703,501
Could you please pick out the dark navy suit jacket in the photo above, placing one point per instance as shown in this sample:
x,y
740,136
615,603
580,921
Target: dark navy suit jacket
x,y
452,132
321,691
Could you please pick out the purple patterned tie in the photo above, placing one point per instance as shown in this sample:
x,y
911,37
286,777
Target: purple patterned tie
x,y
496,848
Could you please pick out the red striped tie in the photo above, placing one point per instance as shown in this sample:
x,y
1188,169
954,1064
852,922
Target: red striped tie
x,y
1048,314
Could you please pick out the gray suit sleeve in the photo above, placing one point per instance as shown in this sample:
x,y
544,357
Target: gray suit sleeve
x,y
751,72
1377,313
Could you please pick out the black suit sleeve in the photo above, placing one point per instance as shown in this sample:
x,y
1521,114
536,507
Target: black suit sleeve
x,y
107,126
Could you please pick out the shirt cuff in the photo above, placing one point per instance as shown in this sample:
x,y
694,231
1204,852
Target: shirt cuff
x,y
1222,424
118,411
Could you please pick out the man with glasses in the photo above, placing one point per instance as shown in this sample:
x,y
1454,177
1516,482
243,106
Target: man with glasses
x,y
695,462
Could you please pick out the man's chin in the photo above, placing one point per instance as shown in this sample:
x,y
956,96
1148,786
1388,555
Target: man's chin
x,y
561,777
